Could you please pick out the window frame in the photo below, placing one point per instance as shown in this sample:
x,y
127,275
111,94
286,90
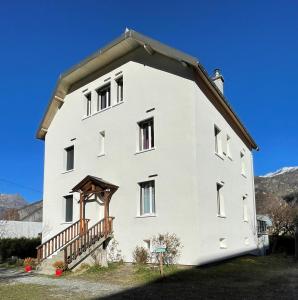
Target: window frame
x,y
104,87
88,103
218,141
152,201
243,163
121,98
102,140
151,135
245,208
220,200
66,161
66,207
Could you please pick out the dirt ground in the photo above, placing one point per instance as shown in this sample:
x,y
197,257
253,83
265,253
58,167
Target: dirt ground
x,y
242,278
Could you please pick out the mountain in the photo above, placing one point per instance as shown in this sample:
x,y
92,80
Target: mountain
x,y
31,212
281,185
8,201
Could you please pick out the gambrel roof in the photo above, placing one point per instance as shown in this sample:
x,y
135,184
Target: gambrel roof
x,y
127,42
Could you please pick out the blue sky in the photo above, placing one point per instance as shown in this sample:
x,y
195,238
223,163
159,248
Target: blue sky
x,y
254,43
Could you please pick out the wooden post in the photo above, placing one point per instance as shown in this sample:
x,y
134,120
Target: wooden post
x,y
82,214
161,264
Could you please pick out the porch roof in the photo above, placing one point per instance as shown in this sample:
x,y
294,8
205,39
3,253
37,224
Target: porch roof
x,y
89,180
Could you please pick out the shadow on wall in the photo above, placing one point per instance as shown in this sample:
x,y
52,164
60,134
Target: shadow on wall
x,y
244,278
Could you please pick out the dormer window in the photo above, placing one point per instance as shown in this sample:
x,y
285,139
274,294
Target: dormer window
x,y
104,97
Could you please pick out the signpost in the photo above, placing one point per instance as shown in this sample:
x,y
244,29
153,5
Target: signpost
x,y
161,251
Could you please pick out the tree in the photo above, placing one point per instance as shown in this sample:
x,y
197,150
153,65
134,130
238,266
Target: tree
x,y
283,216
11,214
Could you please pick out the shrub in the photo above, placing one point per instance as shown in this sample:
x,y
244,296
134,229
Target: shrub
x,y
28,261
282,244
59,265
114,253
172,244
19,247
140,255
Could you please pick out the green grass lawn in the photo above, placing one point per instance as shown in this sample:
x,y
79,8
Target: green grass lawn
x,y
246,277
240,278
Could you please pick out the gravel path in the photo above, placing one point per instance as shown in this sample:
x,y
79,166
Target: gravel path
x,y
70,286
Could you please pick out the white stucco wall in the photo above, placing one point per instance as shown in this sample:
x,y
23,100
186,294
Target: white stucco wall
x,y
17,229
183,159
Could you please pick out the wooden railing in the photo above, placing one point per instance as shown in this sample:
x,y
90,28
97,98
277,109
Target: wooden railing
x,y
80,244
59,240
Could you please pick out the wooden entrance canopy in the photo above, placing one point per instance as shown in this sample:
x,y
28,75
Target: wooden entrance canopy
x,y
93,186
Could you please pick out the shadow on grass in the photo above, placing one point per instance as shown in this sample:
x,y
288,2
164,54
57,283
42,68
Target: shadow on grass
x,y
242,278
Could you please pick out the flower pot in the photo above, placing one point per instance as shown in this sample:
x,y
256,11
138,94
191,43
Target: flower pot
x,y
28,269
59,272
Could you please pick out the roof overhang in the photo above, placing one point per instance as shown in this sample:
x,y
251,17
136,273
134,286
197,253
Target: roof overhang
x,y
127,42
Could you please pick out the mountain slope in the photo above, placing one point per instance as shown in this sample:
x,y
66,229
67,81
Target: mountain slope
x,y
8,201
281,185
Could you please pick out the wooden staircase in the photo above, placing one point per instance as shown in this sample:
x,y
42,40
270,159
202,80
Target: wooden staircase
x,y
72,246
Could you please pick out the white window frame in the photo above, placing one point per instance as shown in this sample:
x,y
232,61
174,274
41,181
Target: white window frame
x,y
229,154
243,163
218,141
152,203
220,200
66,158
223,243
102,140
119,90
107,85
65,208
245,208
88,103
151,134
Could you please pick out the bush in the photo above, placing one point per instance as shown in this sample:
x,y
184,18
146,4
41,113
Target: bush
x,y
19,247
282,244
172,244
59,265
140,255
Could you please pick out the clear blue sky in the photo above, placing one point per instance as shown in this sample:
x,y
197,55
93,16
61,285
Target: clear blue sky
x,y
255,43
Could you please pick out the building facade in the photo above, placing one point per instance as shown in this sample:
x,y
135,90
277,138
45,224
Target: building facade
x,y
148,119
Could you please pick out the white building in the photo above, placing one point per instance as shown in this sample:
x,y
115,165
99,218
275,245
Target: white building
x,y
148,119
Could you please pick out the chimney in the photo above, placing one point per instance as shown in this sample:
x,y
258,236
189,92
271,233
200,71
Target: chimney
x,y
218,79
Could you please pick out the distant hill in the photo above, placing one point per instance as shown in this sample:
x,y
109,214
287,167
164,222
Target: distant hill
x,y
281,185
23,210
31,212
8,201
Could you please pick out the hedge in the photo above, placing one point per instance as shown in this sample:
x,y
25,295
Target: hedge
x,y
19,247
282,244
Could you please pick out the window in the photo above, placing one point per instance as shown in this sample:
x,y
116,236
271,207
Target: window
x,y
88,104
218,145
102,136
262,227
220,200
245,212
222,243
147,245
119,82
104,97
229,147
69,158
147,198
146,135
243,166
68,208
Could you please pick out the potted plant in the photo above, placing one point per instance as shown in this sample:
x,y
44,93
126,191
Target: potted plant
x,y
28,263
59,266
